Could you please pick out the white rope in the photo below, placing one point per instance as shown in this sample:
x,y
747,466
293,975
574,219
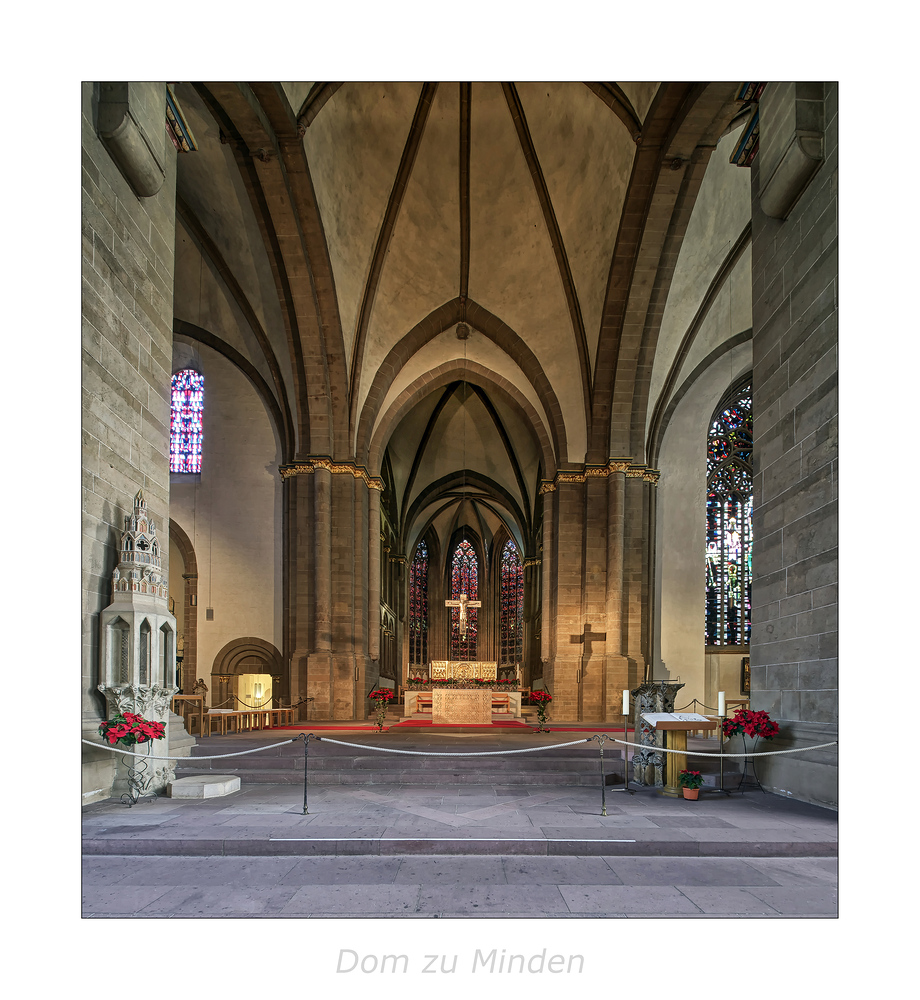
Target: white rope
x,y
483,753
695,753
219,756
434,753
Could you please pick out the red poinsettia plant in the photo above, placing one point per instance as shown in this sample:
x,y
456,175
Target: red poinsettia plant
x,y
690,779
381,698
129,728
750,724
542,699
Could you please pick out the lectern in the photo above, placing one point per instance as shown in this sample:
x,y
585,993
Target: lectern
x,y
675,726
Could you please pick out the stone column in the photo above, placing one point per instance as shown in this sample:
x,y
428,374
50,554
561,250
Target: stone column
x,y
616,664
319,660
569,523
373,575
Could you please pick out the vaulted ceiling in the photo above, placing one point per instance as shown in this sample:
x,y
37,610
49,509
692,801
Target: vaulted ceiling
x,y
352,230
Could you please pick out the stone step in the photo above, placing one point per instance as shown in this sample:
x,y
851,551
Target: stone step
x,y
203,786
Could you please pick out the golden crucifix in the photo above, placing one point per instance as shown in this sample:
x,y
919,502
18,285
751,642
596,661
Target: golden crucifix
x,y
463,604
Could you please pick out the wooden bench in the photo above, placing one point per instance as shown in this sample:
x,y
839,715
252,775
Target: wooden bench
x,y
424,701
501,703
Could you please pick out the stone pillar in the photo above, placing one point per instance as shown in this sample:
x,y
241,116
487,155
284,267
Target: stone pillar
x,y
616,664
373,575
319,661
569,523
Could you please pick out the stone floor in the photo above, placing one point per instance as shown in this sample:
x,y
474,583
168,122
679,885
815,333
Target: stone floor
x,y
460,848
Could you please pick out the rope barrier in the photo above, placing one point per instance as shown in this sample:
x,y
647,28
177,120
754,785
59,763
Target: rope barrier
x,y
701,753
219,756
483,753
434,753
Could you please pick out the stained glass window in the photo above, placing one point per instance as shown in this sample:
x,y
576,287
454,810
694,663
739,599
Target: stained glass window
x,y
729,509
464,579
185,421
511,604
418,606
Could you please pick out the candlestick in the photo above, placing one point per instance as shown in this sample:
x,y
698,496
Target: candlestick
x,y
722,704
626,702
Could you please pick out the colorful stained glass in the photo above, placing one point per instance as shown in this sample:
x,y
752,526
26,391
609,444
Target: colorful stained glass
x,y
511,605
464,579
729,519
185,421
418,606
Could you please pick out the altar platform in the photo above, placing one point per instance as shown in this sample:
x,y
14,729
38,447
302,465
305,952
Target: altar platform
x,y
364,802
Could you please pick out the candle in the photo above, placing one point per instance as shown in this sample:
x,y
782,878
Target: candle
x,y
722,704
626,702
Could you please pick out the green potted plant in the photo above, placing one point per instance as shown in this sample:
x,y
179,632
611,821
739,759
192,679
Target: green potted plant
x,y
690,783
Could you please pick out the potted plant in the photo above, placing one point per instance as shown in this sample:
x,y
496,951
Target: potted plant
x,y
541,699
129,728
381,698
757,725
748,723
690,783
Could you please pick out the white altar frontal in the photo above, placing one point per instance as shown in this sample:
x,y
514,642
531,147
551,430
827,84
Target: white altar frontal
x,y
470,706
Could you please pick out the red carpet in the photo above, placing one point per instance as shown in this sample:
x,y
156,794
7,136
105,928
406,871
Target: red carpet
x,y
510,724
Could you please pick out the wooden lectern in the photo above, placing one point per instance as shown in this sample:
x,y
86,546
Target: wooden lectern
x,y
675,726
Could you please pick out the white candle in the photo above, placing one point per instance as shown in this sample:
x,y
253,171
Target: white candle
x,y
626,702
722,704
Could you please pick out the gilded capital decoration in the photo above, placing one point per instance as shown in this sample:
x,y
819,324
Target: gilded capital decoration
x,y
310,466
618,465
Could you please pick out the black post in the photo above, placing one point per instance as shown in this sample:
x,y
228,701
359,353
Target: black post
x,y
306,759
601,739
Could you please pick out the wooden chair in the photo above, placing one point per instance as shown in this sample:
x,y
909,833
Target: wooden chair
x,y
424,701
501,703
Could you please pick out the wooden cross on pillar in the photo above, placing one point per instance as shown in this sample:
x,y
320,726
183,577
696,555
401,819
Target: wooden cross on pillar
x,y
463,604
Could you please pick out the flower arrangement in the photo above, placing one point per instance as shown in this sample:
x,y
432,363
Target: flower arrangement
x,y
381,698
750,724
541,699
690,779
128,728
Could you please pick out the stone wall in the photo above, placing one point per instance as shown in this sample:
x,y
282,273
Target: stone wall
x,y
127,283
232,512
794,275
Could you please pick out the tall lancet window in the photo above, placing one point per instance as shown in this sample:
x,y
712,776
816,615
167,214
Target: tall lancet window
x,y
729,508
464,579
511,604
185,421
418,606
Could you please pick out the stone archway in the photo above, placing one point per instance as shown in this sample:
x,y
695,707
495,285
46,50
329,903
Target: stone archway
x,y
246,655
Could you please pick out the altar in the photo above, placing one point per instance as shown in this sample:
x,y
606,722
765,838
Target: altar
x,y
459,706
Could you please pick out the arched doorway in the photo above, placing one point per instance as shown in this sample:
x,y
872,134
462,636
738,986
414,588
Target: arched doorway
x,y
241,665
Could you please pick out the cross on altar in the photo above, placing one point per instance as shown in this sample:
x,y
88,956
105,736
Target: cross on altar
x,y
463,604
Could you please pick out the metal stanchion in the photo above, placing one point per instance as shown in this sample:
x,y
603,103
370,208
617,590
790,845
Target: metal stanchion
x,y
602,739
306,737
